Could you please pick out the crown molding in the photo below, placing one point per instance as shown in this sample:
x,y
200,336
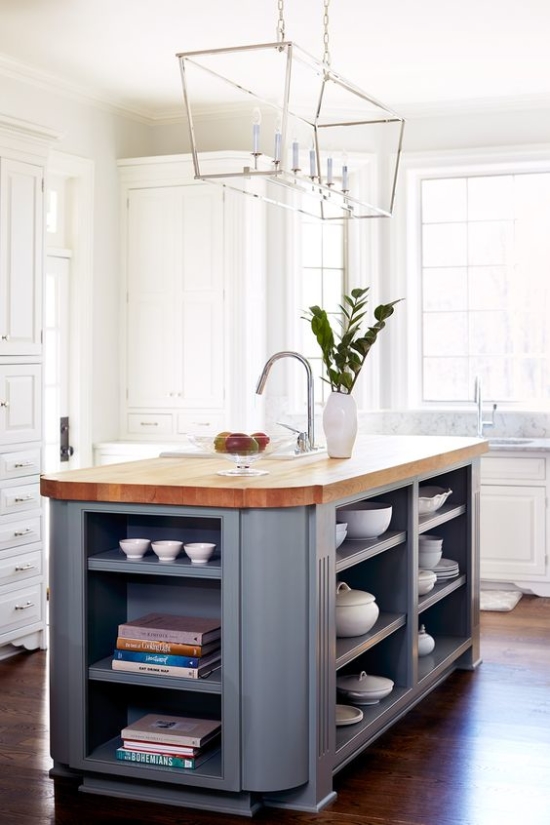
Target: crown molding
x,y
477,106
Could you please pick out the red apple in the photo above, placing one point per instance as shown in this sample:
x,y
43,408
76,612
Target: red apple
x,y
241,444
262,439
219,442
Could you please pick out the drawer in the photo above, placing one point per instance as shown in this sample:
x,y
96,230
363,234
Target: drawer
x,y
520,468
149,424
18,530
20,607
16,498
18,568
197,422
20,463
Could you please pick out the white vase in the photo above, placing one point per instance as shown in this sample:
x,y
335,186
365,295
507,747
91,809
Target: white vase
x,y
340,424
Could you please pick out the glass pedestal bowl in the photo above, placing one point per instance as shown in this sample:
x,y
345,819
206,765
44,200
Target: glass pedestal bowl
x,y
242,449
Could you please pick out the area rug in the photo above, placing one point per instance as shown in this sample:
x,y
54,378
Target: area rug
x,y
502,600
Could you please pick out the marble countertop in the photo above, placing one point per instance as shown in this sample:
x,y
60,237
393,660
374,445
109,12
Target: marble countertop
x,y
518,444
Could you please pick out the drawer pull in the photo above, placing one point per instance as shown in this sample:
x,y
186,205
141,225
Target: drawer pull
x,y
19,533
24,606
20,464
148,423
21,568
21,499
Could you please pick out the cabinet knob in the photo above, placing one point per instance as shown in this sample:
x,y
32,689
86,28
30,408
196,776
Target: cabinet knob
x,y
5,337
149,423
4,404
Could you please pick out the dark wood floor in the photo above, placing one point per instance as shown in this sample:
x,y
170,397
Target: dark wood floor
x,y
475,752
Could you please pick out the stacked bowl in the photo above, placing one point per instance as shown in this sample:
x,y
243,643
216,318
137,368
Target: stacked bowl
x,y
430,550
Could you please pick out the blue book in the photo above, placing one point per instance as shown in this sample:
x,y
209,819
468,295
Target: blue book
x,y
151,658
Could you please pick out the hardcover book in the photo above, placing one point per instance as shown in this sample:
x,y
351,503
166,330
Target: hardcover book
x,y
166,670
169,628
174,730
199,662
160,747
164,760
173,648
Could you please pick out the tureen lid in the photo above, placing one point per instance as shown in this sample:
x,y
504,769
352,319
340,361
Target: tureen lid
x,y
363,683
347,597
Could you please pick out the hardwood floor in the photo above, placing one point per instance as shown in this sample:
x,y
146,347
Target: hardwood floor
x,y
475,752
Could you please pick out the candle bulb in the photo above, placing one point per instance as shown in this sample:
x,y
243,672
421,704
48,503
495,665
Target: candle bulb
x,y
295,155
312,169
329,171
277,155
256,120
345,182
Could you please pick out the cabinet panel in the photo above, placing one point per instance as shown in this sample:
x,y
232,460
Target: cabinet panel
x,y
24,462
21,253
514,468
16,498
20,403
513,527
18,530
19,608
18,568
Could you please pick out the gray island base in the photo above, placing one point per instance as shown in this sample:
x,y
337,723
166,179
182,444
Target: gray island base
x,y
272,582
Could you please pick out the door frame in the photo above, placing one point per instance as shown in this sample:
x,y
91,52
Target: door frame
x,y
81,173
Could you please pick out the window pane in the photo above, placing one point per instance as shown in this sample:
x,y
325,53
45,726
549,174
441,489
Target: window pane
x,y
490,243
444,200
490,197
444,245
445,288
312,244
333,240
445,333
445,379
489,287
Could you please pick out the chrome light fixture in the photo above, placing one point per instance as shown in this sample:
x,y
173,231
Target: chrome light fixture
x,y
302,136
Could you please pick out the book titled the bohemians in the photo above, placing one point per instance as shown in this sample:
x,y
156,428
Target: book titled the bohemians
x,y
169,628
164,760
173,730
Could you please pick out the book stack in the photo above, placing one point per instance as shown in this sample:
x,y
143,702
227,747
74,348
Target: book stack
x,y
169,741
185,646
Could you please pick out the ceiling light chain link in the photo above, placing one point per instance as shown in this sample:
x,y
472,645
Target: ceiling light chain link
x,y
281,21
326,55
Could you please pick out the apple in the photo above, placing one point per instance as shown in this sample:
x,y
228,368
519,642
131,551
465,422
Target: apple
x,y
219,441
262,439
241,444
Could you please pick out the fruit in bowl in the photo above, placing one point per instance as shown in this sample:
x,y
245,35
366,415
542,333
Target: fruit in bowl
x,y
243,449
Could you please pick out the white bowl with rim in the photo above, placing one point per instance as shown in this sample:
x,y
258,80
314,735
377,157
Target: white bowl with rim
x,y
199,551
429,556
366,519
134,548
167,550
341,532
426,581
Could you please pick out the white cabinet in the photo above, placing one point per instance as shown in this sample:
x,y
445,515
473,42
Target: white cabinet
x,y
514,524
193,279
20,403
20,257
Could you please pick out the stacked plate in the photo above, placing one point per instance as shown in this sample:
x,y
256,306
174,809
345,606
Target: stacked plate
x,y
446,569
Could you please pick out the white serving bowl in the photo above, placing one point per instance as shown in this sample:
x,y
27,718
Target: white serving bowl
x,y
431,498
134,548
356,611
167,550
199,551
341,532
363,689
367,519
428,557
426,581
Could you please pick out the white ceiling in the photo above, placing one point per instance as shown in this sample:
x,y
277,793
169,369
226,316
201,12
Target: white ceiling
x,y
414,56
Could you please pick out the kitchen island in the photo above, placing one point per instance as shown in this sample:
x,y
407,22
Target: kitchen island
x,y
272,583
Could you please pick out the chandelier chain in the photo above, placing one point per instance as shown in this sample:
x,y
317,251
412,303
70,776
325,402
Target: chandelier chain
x,y
281,21
326,55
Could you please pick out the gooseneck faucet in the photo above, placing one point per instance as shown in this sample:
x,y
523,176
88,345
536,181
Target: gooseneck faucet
x,y
478,397
310,405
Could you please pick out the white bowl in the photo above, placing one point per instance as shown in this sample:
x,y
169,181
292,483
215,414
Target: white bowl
x,y
428,557
167,550
134,548
356,611
426,581
362,689
199,551
341,532
431,498
367,519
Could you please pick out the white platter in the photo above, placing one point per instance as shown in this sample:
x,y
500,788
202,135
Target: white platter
x,y
348,715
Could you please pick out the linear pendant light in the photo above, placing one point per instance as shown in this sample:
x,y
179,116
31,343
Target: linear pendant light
x,y
302,136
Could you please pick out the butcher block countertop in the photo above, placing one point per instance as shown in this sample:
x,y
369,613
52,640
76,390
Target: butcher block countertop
x,y
377,460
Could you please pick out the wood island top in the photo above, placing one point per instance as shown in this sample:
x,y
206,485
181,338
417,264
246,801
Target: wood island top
x,y
377,460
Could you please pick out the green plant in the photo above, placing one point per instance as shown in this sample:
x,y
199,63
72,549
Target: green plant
x,y
344,352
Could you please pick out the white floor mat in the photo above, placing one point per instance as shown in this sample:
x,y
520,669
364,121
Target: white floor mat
x,y
499,599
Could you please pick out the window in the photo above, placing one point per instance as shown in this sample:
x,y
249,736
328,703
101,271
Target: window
x,y
323,283
484,262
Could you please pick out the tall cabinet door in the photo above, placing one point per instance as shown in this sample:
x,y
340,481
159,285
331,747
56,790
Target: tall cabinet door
x,y
20,403
21,218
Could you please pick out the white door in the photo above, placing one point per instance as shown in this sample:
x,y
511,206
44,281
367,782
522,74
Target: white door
x,y
56,357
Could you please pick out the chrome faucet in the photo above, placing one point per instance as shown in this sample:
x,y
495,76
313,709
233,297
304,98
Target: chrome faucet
x,y
305,443
478,398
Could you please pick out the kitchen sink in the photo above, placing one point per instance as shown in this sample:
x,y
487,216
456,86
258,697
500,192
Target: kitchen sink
x,y
504,441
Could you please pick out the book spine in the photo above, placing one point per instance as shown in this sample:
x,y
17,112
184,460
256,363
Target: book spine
x,y
154,646
187,637
157,658
162,759
164,670
159,747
